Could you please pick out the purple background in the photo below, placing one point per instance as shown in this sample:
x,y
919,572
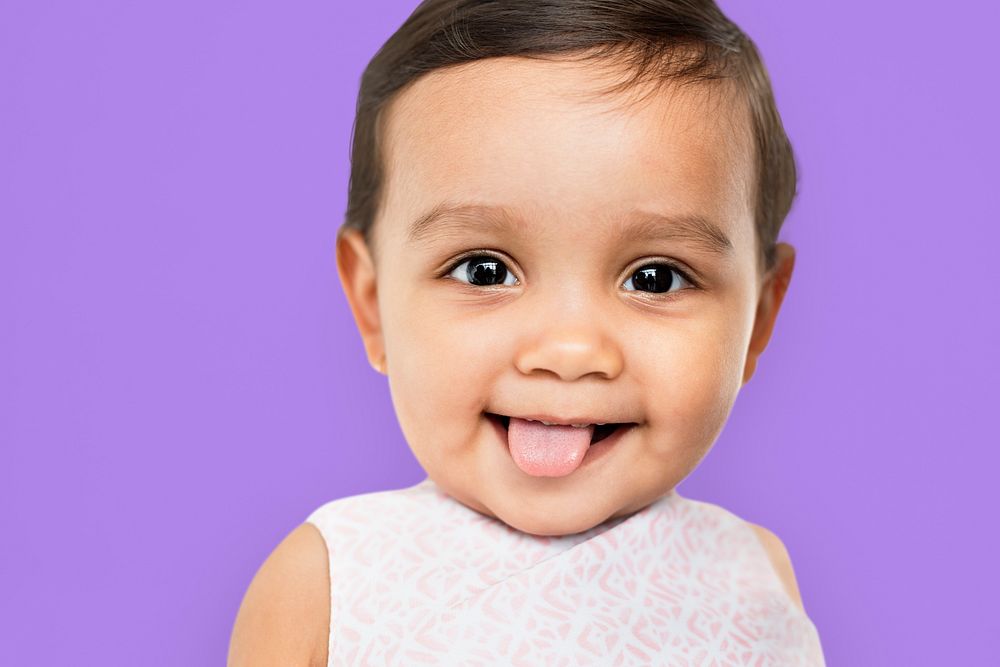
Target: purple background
x,y
181,382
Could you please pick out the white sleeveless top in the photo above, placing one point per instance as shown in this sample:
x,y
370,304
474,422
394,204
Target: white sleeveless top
x,y
417,578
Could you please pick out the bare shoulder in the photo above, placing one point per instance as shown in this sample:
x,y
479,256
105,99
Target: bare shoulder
x,y
781,561
284,618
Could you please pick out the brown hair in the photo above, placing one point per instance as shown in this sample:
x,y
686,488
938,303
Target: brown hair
x,y
681,41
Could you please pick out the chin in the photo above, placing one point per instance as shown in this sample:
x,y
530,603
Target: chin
x,y
548,523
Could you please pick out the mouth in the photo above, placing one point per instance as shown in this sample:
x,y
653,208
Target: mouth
x,y
601,431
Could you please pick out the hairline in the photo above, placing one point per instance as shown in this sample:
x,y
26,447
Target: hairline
x,y
618,58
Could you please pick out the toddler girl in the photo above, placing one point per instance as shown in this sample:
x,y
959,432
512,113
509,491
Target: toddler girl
x,y
561,250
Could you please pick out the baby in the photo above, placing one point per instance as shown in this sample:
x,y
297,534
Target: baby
x,y
561,250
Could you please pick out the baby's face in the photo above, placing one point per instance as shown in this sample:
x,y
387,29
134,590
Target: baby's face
x,y
558,293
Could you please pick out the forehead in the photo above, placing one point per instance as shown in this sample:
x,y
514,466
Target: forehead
x,y
536,136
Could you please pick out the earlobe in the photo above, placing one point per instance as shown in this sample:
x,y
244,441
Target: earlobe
x,y
356,268
772,294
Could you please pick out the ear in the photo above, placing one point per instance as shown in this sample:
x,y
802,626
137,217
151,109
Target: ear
x,y
771,296
357,276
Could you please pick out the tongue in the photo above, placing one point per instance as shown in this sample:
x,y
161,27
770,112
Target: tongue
x,y
547,451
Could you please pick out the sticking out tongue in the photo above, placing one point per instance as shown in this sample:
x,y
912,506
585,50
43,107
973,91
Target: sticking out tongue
x,y
547,451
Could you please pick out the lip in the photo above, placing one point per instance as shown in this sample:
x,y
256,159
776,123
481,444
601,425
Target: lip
x,y
567,421
595,452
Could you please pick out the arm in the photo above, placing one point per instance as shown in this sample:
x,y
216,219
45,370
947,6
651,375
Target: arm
x,y
284,618
781,561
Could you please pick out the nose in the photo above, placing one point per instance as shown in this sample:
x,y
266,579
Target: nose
x,y
571,349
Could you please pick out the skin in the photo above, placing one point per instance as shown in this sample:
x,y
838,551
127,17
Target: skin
x,y
572,336
568,339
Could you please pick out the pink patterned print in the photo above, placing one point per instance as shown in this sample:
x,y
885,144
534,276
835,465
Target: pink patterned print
x,y
417,578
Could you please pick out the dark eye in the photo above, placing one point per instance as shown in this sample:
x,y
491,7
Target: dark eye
x,y
482,271
656,278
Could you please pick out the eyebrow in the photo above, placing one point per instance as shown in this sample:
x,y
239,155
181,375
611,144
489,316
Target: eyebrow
x,y
453,219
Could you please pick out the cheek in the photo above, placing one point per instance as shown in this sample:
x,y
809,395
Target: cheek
x,y
439,373
694,380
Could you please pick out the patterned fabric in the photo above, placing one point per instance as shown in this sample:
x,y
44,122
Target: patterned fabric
x,y
417,578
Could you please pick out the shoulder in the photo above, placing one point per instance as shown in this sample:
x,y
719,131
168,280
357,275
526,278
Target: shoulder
x,y
284,618
781,561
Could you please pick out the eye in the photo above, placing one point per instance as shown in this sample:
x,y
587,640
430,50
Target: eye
x,y
657,277
482,271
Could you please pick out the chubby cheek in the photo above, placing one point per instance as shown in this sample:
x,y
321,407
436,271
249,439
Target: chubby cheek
x,y
694,378
439,373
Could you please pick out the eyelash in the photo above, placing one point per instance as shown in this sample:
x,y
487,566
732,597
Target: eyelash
x,y
685,275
